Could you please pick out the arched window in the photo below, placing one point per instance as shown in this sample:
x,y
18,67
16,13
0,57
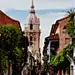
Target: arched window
x,y
31,26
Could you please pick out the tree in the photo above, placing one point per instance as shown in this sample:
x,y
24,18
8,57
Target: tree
x,y
11,40
70,28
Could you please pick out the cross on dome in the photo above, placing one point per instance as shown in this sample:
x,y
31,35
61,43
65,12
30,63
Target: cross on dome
x,y
32,18
32,7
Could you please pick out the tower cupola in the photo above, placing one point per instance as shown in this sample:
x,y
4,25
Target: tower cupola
x,y
32,8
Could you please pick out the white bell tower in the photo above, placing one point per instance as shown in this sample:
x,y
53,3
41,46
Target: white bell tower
x,y
32,30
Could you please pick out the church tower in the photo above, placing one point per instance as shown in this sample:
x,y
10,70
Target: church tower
x,y
32,31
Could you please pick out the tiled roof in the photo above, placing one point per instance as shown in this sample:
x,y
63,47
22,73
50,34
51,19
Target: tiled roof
x,y
4,20
55,26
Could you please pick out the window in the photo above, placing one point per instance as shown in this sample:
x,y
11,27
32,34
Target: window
x,y
30,38
67,41
31,26
64,27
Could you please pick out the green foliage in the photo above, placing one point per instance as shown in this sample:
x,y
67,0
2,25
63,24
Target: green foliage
x,y
70,28
10,37
10,41
60,60
18,52
45,64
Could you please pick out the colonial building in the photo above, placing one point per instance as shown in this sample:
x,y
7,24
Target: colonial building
x,y
6,20
58,35
58,31
32,31
59,38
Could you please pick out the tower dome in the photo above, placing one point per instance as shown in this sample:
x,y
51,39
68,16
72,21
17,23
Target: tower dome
x,y
32,8
32,18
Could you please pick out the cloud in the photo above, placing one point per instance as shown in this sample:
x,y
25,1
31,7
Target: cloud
x,y
55,4
14,4
47,18
39,4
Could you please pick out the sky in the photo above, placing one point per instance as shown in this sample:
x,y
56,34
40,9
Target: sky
x,y
47,10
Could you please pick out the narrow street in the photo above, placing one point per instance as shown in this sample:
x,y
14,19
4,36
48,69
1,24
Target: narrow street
x,y
37,37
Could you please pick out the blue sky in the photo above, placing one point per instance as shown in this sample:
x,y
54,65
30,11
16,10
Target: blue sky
x,y
47,10
47,18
